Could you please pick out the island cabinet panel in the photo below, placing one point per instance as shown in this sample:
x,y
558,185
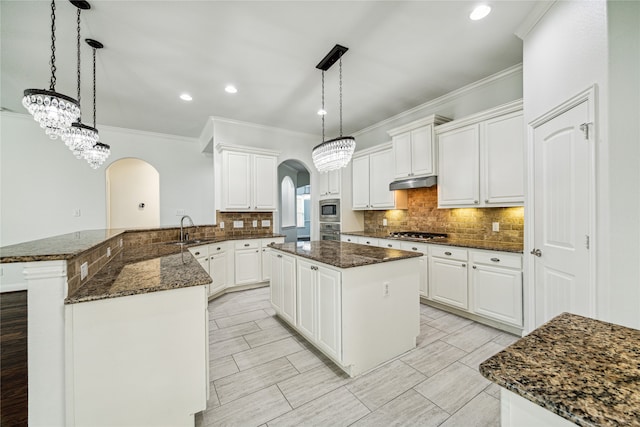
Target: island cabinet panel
x,y
137,360
359,317
276,281
283,285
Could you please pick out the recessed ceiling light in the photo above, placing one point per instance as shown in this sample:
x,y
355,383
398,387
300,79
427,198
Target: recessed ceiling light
x,y
230,89
186,97
322,112
480,12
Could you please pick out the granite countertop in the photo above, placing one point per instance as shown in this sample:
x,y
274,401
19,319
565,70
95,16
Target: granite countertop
x,y
449,241
68,246
343,254
581,369
150,268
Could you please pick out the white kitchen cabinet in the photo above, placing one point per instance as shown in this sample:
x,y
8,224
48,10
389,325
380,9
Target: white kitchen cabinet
x,y
306,299
283,285
248,266
329,184
424,263
218,267
348,238
481,161
414,148
369,241
248,180
448,276
388,243
495,284
371,178
201,254
266,265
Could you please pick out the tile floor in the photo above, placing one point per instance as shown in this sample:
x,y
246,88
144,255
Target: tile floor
x,y
263,373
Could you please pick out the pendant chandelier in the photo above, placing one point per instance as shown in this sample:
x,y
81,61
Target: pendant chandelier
x,y
80,137
98,152
335,153
54,111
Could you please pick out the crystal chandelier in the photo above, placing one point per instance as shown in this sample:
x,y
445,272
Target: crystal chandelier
x,y
334,153
54,111
80,137
98,153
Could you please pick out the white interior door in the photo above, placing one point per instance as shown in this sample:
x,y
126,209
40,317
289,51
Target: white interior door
x,y
562,210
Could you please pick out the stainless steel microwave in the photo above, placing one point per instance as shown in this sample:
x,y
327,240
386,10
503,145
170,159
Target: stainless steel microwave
x,y
330,210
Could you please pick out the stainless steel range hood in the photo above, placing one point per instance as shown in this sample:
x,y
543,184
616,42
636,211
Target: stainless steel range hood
x,y
420,182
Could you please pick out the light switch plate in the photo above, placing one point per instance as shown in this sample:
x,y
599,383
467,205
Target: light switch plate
x,y
255,223
266,223
238,224
84,270
221,224
384,222
108,252
495,226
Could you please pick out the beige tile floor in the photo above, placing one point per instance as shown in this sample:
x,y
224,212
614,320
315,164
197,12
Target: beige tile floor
x,y
263,373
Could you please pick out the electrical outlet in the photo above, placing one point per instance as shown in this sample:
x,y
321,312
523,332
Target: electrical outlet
x,y
495,226
84,270
255,223
76,212
266,222
180,212
238,224
221,224
385,289
384,222
120,242
108,252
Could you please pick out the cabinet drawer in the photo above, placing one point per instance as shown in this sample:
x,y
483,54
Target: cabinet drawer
x,y
415,247
217,248
270,240
347,238
248,244
199,251
368,241
449,253
497,259
386,243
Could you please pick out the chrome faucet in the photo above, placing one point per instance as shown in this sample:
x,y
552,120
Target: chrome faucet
x,y
182,233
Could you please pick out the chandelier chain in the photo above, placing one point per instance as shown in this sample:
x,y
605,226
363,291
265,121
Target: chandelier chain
x,y
94,87
52,85
79,118
341,96
323,113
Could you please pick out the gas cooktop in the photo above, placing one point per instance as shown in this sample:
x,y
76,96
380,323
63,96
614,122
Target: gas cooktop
x,y
418,235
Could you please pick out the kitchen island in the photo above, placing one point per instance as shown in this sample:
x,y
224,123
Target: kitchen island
x,y
357,304
571,370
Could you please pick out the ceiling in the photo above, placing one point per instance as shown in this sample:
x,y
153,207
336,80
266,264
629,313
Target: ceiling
x,y
401,54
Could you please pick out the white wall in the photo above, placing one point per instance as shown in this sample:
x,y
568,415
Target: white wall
x,y
566,52
41,182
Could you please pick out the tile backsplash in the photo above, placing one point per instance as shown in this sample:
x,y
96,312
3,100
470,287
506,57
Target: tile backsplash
x,y
465,223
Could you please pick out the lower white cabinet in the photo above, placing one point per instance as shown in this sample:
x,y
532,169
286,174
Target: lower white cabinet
x,y
248,262
319,308
266,265
495,283
218,267
283,285
370,241
448,276
424,263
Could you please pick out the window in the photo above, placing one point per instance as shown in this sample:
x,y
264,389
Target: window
x,y
303,199
288,202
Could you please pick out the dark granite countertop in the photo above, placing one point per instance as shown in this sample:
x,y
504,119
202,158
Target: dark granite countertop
x,y
450,241
68,246
149,268
581,369
344,254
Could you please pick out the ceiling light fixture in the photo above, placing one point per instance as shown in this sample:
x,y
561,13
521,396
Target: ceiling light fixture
x,y
230,89
480,12
186,97
334,153
97,154
80,137
54,111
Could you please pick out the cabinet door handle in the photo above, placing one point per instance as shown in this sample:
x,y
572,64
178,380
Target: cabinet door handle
x,y
476,202
348,240
474,267
464,265
495,259
486,200
414,248
368,242
246,244
197,253
257,251
448,253
279,256
536,252
389,245
217,249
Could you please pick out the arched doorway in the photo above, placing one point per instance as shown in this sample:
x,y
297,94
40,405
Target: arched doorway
x,y
294,200
133,194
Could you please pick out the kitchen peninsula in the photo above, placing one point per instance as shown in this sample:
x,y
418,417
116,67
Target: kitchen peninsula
x,y
357,304
117,325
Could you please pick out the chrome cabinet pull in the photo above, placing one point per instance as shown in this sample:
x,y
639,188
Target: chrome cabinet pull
x,y
414,248
464,265
536,252
474,267
197,253
279,256
389,245
448,253
495,259
246,244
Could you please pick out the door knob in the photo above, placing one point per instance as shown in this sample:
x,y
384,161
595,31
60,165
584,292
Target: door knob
x,y
536,252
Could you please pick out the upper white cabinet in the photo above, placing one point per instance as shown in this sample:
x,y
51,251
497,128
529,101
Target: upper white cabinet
x,y
415,152
329,184
480,158
371,178
248,179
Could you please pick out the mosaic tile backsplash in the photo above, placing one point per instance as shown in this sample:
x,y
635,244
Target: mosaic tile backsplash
x,y
467,224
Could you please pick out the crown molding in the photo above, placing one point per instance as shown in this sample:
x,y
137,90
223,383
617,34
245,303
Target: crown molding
x,y
536,14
